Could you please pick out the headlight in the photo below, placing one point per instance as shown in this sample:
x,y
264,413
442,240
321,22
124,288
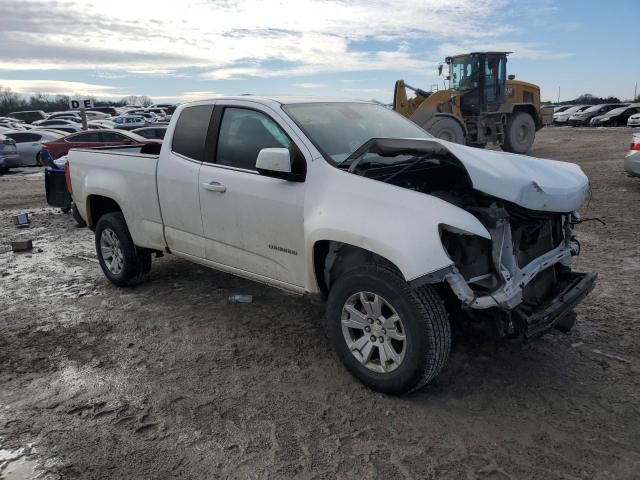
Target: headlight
x,y
470,253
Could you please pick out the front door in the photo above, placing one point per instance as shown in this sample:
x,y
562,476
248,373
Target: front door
x,y
252,223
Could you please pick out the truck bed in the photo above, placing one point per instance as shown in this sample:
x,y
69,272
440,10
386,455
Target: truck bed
x,y
126,175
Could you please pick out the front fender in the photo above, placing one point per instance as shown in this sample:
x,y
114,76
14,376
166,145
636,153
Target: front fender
x,y
398,224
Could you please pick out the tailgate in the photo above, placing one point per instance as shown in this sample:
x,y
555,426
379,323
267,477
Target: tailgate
x,y
56,188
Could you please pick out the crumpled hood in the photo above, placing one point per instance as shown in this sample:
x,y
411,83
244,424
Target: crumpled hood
x,y
533,183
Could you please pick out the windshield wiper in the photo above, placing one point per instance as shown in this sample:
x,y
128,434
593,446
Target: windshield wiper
x,y
413,162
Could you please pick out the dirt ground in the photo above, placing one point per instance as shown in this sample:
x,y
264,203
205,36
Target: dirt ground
x,y
169,380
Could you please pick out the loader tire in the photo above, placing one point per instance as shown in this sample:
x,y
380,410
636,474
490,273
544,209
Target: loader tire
x,y
445,128
520,134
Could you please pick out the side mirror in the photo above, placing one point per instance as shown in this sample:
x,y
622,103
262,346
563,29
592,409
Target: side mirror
x,y
274,162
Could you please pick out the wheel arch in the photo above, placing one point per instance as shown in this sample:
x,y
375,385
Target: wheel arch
x,y
99,205
331,258
531,110
453,117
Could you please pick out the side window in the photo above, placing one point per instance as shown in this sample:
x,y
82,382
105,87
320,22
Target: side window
x,y
243,133
112,137
31,137
17,137
86,138
190,134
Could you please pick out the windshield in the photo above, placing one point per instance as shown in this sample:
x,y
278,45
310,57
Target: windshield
x,y
616,111
463,73
595,108
338,129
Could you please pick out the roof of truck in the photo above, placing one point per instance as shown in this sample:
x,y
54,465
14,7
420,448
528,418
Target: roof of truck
x,y
282,100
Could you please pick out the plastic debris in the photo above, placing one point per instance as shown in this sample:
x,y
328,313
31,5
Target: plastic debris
x,y
21,220
241,298
21,245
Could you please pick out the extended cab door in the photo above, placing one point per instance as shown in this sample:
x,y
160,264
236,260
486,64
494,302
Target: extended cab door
x,y
252,223
178,174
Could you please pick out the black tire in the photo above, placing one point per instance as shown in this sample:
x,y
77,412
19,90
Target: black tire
x,y
76,216
136,260
520,133
445,128
424,319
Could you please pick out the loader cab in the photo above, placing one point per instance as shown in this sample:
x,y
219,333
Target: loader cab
x,y
480,78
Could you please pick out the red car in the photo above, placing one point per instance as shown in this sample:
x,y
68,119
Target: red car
x,y
94,138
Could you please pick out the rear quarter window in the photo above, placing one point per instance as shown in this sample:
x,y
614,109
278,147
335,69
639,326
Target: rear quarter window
x,y
190,134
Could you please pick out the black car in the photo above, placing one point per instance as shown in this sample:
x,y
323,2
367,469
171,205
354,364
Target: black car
x,y
28,116
617,117
154,133
583,118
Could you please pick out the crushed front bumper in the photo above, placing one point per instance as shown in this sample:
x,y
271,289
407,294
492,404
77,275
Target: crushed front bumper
x,y
557,310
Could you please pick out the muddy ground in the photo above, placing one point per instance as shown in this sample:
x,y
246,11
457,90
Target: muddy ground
x,y
169,380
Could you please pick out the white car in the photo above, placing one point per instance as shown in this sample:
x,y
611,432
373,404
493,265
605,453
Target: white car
x,y
634,120
562,117
351,201
632,160
29,144
59,122
129,122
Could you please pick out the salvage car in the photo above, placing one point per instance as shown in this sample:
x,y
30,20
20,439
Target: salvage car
x,y
28,116
617,117
561,118
632,160
400,232
29,144
156,133
634,120
8,154
92,139
580,119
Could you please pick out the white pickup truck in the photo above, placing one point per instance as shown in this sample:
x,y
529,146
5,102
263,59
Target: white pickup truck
x,y
400,232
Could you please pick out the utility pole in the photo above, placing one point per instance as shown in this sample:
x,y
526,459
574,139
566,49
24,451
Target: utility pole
x,y
635,92
558,95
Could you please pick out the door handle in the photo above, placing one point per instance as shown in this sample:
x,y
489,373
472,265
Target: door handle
x,y
214,187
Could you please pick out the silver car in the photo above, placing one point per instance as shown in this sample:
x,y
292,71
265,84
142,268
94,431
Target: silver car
x,y
8,154
29,144
632,160
634,120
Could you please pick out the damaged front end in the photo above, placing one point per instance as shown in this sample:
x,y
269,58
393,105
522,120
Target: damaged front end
x,y
522,279
519,282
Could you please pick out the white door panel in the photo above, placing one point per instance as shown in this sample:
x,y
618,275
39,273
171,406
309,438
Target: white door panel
x,y
253,223
180,203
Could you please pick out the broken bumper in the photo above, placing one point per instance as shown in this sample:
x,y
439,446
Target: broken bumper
x,y
556,311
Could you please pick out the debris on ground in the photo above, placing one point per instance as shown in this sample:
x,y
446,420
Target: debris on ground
x,y
21,245
21,220
241,298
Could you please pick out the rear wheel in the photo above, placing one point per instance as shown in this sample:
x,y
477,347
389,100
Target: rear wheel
x,y
445,128
520,134
393,338
122,262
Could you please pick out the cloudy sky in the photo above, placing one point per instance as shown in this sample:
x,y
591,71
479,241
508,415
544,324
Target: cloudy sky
x,y
190,49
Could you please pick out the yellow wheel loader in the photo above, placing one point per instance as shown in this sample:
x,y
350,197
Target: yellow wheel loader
x,y
480,106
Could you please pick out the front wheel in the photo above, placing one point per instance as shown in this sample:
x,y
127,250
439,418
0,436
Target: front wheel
x,y
520,134
445,128
393,338
122,262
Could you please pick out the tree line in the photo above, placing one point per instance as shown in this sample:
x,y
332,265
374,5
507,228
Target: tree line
x,y
588,99
11,101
